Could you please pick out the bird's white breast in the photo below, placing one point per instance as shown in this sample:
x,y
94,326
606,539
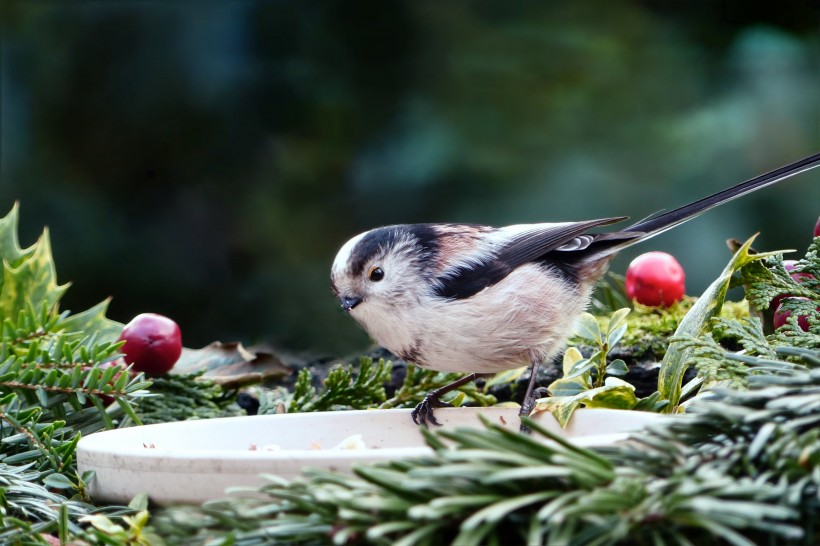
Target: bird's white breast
x,y
525,317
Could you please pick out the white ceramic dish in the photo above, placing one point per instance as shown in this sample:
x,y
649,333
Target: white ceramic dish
x,y
194,461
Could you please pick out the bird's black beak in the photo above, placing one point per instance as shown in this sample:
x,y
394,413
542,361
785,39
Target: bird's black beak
x,y
349,302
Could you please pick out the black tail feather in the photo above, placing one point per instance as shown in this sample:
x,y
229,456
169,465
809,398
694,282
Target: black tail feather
x,y
661,222
656,224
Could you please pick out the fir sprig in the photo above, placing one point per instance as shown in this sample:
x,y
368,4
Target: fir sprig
x,y
180,397
363,387
28,508
418,382
342,388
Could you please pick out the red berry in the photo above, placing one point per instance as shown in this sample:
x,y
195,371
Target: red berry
x,y
798,277
780,316
817,228
153,343
789,266
655,278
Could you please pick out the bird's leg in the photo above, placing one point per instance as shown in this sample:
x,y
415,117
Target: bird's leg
x,y
530,397
423,413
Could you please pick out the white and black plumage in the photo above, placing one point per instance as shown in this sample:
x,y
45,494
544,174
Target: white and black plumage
x,y
478,299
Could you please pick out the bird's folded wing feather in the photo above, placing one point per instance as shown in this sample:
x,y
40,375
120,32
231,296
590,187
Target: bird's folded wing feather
x,y
513,246
532,244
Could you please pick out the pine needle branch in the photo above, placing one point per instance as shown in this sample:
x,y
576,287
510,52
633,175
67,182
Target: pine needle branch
x,y
342,388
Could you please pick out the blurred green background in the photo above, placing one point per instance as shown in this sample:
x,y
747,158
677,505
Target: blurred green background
x,y
205,160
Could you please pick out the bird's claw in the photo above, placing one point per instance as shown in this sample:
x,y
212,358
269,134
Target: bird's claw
x,y
423,412
528,404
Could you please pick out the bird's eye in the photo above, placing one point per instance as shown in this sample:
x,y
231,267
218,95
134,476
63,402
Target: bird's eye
x,y
375,274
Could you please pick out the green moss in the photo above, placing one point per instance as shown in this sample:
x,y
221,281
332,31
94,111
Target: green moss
x,y
647,336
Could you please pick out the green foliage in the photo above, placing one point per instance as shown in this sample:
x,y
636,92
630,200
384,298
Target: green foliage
x,y
418,382
809,288
741,467
697,323
180,397
610,294
126,527
746,332
344,389
716,365
769,279
341,388
57,379
779,352
28,508
712,364
650,328
594,382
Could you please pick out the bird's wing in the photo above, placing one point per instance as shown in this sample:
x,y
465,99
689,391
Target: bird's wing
x,y
532,243
510,247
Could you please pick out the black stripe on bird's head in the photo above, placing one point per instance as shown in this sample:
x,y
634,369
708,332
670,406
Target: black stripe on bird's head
x,y
417,241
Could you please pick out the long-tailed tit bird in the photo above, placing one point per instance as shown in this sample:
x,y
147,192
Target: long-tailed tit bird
x,y
478,299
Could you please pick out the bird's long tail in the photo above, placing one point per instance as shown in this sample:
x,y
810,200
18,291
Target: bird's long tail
x,y
611,243
667,220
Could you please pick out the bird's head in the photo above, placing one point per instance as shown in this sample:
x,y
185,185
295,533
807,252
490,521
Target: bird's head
x,y
382,270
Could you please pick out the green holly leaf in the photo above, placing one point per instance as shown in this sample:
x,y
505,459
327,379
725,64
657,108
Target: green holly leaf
x,y
94,320
28,284
33,283
105,525
10,250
